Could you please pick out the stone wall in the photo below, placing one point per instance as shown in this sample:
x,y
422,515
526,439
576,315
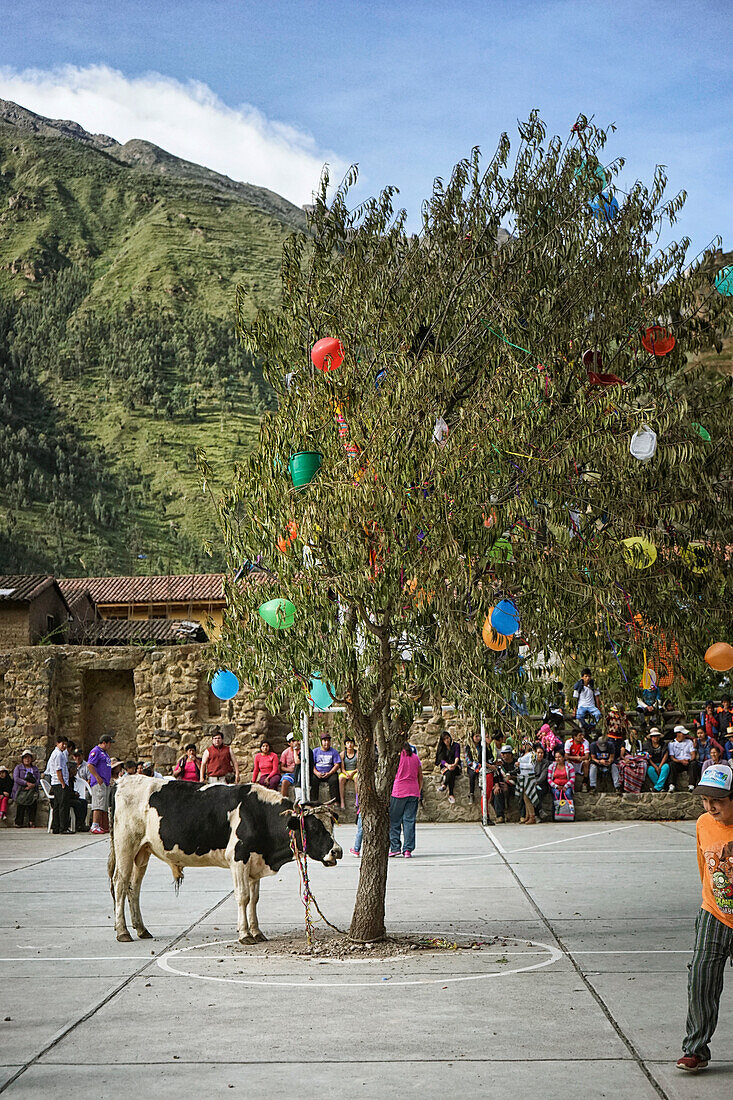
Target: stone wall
x,y
157,700
153,700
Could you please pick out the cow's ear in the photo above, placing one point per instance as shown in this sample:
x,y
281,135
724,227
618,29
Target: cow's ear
x,y
294,822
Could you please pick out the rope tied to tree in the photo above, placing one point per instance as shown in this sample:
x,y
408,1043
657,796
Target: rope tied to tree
x,y
306,894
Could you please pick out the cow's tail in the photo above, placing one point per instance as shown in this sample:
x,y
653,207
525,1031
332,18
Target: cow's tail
x,y
177,878
111,861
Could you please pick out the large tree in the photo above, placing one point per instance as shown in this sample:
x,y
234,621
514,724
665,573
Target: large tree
x,y
473,405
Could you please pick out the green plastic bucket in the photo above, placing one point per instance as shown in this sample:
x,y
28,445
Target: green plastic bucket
x,y
304,466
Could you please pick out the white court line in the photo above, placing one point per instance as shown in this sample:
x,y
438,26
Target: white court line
x,y
636,951
489,831
582,836
163,962
75,959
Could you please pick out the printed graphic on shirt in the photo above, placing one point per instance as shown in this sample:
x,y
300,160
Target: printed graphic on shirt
x,y
720,868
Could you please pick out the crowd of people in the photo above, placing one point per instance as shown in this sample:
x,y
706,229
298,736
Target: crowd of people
x,y
538,775
579,747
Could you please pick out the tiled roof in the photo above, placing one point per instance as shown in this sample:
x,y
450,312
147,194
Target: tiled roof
x,y
191,588
166,589
23,587
132,631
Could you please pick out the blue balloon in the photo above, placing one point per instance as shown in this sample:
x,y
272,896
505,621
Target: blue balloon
x,y
225,684
321,695
604,207
381,375
505,618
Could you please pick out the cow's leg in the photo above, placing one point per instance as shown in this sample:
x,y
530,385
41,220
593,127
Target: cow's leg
x,y
254,897
240,876
139,868
123,870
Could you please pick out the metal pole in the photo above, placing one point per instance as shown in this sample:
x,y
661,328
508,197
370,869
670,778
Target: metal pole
x,y
305,757
484,800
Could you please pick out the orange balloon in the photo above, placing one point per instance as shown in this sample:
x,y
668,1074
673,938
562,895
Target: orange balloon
x,y
494,641
720,656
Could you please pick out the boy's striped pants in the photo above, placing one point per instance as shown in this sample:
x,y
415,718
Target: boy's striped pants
x,y
713,946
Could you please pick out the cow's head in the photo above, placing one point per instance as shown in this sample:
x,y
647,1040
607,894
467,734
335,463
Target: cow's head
x,y
319,840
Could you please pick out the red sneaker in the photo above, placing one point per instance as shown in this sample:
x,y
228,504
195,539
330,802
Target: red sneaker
x,y
691,1063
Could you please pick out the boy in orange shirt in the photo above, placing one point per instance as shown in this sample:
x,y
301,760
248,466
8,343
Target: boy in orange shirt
x,y
714,925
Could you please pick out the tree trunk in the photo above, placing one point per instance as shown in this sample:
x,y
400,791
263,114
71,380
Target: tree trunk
x,y
376,777
367,920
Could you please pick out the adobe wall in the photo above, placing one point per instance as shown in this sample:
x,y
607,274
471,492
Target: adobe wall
x,y
14,625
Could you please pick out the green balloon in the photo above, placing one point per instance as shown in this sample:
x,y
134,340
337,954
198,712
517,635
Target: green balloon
x,y
501,550
278,613
702,432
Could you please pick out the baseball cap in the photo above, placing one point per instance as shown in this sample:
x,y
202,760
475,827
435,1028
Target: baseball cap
x,y
681,729
290,737
506,748
716,782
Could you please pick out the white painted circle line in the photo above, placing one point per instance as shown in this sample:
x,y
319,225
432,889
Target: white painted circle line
x,y
165,964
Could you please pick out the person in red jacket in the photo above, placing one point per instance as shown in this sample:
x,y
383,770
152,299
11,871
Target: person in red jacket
x,y
267,767
218,762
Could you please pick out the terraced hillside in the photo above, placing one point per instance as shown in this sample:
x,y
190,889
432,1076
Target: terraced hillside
x,y
118,268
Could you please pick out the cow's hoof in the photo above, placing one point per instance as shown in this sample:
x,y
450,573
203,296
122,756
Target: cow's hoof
x,y
144,935
124,937
260,937
247,940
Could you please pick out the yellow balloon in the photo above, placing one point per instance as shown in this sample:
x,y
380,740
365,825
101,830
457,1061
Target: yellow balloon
x,y
639,552
696,557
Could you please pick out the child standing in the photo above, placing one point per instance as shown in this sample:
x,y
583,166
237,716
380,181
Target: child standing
x,y
714,925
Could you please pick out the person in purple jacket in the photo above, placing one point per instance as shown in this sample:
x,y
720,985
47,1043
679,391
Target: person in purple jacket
x,y
448,759
26,778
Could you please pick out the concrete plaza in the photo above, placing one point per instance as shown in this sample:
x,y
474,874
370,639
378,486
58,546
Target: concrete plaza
x,y
582,996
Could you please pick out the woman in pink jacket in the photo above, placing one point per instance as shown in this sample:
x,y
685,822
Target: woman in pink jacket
x,y
403,804
267,767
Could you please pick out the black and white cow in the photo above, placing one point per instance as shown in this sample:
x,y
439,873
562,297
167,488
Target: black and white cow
x,y
243,827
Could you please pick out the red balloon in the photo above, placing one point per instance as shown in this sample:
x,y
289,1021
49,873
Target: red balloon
x,y
658,341
604,379
327,354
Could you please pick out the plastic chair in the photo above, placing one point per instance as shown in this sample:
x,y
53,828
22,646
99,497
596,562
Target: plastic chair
x,y
46,787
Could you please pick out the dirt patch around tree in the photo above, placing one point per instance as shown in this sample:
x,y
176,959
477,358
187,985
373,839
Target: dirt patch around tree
x,y
331,945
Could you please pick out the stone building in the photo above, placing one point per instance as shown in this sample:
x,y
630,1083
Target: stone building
x,y
32,609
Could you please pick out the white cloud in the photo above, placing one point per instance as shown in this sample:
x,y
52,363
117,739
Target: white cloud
x,y
189,120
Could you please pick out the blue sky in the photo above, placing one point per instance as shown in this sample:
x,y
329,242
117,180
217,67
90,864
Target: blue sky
x,y
404,88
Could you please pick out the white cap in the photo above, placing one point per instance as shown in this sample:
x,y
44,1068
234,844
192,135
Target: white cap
x,y
506,748
290,737
717,781
681,729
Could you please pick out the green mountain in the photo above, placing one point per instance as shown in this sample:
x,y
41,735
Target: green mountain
x,y
118,270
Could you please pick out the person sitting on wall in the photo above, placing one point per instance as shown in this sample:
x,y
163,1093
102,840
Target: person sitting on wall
x,y
189,765
561,780
448,759
577,753
218,760
290,765
100,768
266,770
6,789
26,781
505,783
603,760
326,766
683,758
656,751
472,752
348,769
